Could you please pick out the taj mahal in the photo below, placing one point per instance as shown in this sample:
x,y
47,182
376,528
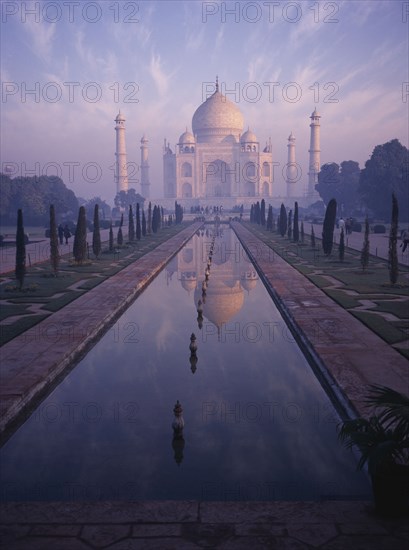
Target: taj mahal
x,y
219,163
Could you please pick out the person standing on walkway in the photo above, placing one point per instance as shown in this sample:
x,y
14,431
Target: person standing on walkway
x,y
61,233
341,225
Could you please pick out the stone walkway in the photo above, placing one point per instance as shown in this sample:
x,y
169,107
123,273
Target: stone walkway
x,y
187,525
346,352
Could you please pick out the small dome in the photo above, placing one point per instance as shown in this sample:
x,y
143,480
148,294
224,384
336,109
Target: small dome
x,y
186,137
315,113
119,117
291,137
248,137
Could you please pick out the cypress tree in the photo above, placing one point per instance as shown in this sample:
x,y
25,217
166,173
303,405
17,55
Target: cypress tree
x,y
96,234
138,222
258,213
252,214
111,237
263,212
290,227
328,227
278,224
54,255
393,240
20,270
120,237
154,220
131,226
283,220
302,232
312,237
341,247
80,239
162,217
149,226
143,223
296,230
365,248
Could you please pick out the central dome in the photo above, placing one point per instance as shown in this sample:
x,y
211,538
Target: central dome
x,y
216,119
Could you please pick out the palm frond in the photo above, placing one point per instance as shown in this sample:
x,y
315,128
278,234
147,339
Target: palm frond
x,y
395,407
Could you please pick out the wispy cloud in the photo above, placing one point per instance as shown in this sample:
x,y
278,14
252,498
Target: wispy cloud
x,y
41,38
160,78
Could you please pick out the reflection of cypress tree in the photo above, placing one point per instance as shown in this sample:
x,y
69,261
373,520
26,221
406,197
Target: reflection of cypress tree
x,y
393,239
20,250
80,239
328,227
131,227
54,256
143,223
111,237
296,231
138,222
96,234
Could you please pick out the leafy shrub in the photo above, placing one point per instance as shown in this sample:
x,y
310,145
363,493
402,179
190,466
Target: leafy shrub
x,y
379,228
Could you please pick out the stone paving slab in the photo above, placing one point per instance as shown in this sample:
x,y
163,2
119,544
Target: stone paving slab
x,y
33,360
192,525
348,354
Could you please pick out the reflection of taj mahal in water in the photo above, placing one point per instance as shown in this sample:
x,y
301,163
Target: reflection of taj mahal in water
x,y
232,275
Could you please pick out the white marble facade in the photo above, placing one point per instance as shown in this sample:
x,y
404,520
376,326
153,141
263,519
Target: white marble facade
x,y
217,163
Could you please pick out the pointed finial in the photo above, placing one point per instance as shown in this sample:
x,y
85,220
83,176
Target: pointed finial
x,y
217,83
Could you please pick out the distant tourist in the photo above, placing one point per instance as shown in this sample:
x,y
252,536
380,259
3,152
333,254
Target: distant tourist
x,y
341,224
67,234
61,233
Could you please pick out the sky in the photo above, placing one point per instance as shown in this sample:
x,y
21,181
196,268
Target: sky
x,y
67,68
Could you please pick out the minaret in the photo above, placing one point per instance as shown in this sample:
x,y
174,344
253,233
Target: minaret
x,y
121,169
292,171
314,152
144,169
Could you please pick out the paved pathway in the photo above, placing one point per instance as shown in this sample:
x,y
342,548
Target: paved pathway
x,y
187,525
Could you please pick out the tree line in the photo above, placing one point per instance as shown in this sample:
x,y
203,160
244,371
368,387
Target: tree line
x,y
386,172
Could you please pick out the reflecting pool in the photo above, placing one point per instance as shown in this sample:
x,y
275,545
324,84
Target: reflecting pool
x,y
257,424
